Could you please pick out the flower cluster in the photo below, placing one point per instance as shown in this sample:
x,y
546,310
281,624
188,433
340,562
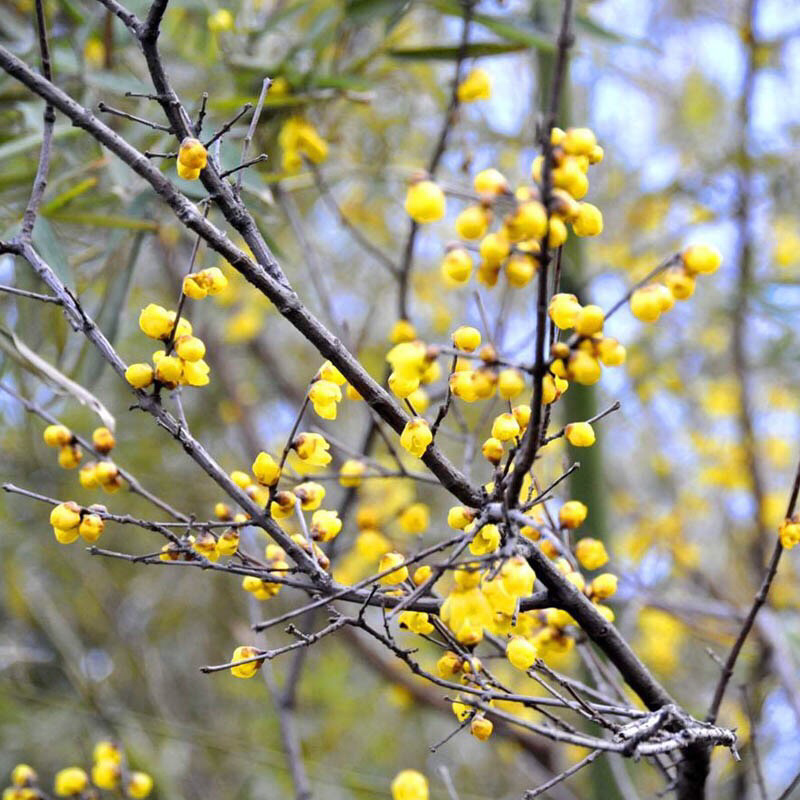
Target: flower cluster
x,y
182,364
69,521
515,245
649,302
205,283
109,771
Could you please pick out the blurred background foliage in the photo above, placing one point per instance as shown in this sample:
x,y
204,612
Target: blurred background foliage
x,y
90,647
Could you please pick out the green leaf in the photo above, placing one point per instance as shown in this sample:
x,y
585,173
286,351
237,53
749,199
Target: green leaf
x,y
51,250
25,144
112,305
26,358
588,25
511,28
451,52
62,199
105,221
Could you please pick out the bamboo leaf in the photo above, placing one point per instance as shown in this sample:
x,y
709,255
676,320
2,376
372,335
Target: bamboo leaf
x,y
451,52
48,246
26,358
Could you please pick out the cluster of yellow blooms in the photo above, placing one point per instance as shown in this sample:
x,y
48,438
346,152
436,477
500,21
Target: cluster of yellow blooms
x,y
69,520
516,244
186,367
299,138
650,302
103,473
582,363
109,771
192,159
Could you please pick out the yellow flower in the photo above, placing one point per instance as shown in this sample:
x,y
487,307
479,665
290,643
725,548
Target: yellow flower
x,y
325,525
298,137
23,775
521,653
449,665
140,376
140,784
266,470
472,222
459,517
70,456
572,514
579,141
57,435
490,182
589,220
580,434
155,321
456,266
415,518
476,86
481,728
421,575
416,622
584,368
702,259
492,450
425,202
251,667
402,331
604,585
70,781
467,338
283,505
494,248
505,427
589,320
190,348
416,436
105,773
486,540
169,370
564,310
221,20
310,495
228,542
66,516
520,269
789,532
680,282
328,372
591,553
211,281
518,577
350,473
393,559
410,785
192,154
647,304
91,527
103,440
324,396
529,221
312,449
